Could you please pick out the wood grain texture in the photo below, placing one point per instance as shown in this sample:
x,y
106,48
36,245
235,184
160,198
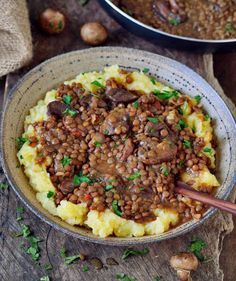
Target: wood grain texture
x,y
16,265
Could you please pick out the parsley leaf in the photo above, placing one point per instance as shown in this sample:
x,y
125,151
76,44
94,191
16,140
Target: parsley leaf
x,y
19,210
68,259
187,144
124,277
3,186
78,179
196,246
97,144
20,141
198,98
85,268
48,266
67,99
230,28
97,83
65,161
157,278
134,176
70,112
181,163
207,117
208,150
154,120
136,104
153,81
145,70
165,95
25,231
109,187
45,278
50,194
116,208
181,125
174,20
60,25
131,252
164,169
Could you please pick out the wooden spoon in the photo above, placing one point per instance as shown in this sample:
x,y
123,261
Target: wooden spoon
x,y
184,189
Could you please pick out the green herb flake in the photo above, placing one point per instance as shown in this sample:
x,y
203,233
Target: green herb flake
x,y
154,120
97,144
60,25
174,21
181,164
68,259
187,144
25,231
207,117
67,99
153,81
21,157
165,95
131,252
181,125
208,150
196,246
50,194
3,186
157,278
85,268
180,110
116,208
48,266
97,84
145,70
141,188
197,99
45,278
106,132
125,277
20,141
164,169
65,161
136,104
78,179
70,112
134,176
109,187
230,28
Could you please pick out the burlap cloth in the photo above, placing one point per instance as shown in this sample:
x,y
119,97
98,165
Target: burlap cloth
x,y
15,36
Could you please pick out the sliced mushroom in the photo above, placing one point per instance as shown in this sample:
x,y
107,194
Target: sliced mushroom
x,y
66,186
119,95
87,100
155,130
128,149
57,108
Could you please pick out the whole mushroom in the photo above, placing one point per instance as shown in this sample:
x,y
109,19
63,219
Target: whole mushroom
x,y
52,21
93,33
184,263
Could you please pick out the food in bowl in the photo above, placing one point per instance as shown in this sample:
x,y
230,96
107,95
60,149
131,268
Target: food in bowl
x,y
105,150
203,19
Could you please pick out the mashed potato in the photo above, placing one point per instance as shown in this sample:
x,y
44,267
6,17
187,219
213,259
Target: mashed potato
x,y
106,223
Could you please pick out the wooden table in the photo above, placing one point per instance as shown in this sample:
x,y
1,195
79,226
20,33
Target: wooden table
x,y
13,261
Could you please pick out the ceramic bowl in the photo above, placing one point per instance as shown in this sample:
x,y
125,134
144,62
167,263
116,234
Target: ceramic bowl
x,y
51,73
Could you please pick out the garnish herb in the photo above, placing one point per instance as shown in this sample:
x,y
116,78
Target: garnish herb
x,y
45,278
208,150
85,268
153,81
154,120
157,278
47,266
197,98
20,141
68,259
196,246
70,112
187,144
3,186
136,104
65,161
134,176
78,179
141,188
165,95
229,27
106,132
97,83
125,277
19,210
50,194
207,117
194,129
116,208
145,70
109,187
97,144
33,250
21,157
67,99
60,25
181,163
164,170
131,252
181,125
174,21
180,110
25,231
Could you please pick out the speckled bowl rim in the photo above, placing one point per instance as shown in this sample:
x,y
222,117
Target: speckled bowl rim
x,y
112,241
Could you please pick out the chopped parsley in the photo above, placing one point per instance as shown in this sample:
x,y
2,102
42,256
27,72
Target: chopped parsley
x,y
97,144
165,95
181,125
45,278
146,70
19,210
78,179
68,259
207,117
174,21
67,99
65,161
116,208
125,277
196,246
141,188
60,25
153,81
197,98
180,110
181,163
47,266
25,231
3,186
134,176
50,194
106,132
154,120
97,84
157,278
85,268
136,104
21,157
131,252
109,187
20,141
187,144
164,169
230,28
70,112
208,150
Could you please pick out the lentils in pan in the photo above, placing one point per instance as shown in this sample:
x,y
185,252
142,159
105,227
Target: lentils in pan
x,y
118,149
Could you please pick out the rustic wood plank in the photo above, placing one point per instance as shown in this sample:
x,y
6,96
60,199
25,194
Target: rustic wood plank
x,y
16,265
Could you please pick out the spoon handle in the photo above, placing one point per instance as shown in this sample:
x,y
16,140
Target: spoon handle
x,y
184,189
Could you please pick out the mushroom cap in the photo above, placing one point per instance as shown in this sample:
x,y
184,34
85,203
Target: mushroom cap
x,y
184,261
